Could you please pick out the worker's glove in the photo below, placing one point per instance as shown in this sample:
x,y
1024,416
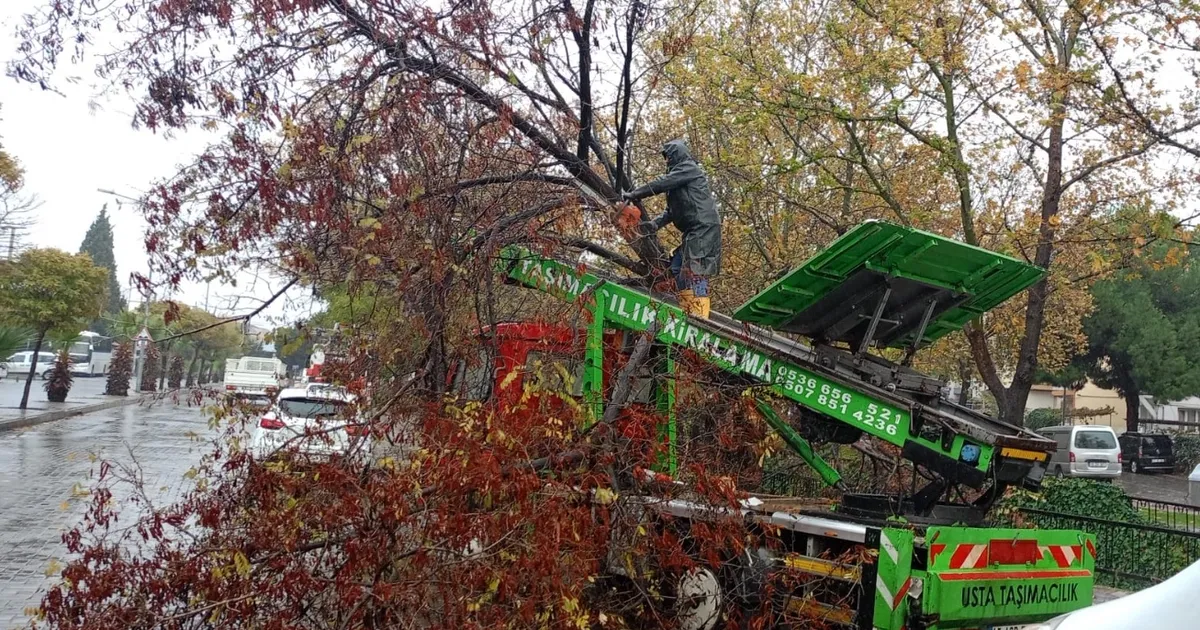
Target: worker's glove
x,y
627,196
646,228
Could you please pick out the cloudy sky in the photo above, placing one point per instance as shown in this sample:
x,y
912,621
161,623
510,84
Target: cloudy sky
x,y
70,151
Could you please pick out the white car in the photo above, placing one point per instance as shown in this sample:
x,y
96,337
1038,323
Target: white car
x,y
18,364
313,421
1165,606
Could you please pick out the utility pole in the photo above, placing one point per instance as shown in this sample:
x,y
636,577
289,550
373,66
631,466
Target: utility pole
x,y
139,361
12,241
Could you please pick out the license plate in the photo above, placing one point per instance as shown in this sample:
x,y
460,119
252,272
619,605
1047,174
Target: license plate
x,y
1097,464
1017,627
1156,461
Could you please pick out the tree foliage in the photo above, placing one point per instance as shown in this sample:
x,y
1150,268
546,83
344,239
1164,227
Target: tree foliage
x,y
995,122
98,244
47,289
1144,336
1042,418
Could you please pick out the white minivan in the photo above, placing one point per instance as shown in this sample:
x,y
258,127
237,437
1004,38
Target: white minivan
x,y
1084,451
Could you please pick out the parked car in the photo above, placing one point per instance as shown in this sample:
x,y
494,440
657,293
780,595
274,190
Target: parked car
x,y
18,364
1084,451
1165,606
314,421
1147,452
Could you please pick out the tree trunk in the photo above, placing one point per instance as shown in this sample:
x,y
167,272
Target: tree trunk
x,y
33,362
164,365
191,370
964,380
1132,408
1011,400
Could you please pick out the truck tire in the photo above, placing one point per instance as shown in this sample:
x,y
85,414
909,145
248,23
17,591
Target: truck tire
x,y
698,600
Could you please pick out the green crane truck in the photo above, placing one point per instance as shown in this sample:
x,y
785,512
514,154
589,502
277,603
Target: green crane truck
x,y
934,563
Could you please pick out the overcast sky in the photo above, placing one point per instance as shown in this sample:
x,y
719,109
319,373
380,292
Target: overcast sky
x,y
69,151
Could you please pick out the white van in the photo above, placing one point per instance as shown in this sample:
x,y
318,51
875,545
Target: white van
x,y
1084,451
18,364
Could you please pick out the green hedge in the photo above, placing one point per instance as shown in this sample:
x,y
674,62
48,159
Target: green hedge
x,y
1041,418
1132,557
1187,452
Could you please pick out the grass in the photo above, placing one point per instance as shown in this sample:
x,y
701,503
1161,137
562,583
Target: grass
x,y
1175,520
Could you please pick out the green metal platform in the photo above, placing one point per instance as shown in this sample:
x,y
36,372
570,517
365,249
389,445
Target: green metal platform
x,y
888,284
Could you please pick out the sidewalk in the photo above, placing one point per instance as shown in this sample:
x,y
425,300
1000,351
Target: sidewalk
x,y
1106,594
87,395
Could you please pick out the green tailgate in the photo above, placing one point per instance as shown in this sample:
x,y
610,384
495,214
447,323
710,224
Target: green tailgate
x,y
832,295
993,577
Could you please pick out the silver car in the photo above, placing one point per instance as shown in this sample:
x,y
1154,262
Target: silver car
x,y
1084,451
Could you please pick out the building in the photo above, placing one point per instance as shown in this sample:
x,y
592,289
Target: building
x,y
1090,404
1177,415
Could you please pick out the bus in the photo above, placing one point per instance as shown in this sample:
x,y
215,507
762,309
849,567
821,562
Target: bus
x,y
90,354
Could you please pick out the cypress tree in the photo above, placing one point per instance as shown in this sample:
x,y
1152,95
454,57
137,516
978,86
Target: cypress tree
x,y
98,243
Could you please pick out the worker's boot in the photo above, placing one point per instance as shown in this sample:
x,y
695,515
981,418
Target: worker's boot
x,y
692,305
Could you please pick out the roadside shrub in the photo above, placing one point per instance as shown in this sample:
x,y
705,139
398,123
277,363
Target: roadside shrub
x,y
1041,418
120,370
1131,556
175,372
1187,451
60,379
1082,497
150,369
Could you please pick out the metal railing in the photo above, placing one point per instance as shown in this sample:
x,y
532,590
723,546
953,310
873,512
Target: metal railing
x,y
791,483
1168,514
1128,555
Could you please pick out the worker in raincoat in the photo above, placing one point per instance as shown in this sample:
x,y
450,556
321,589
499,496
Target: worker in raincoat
x,y
692,210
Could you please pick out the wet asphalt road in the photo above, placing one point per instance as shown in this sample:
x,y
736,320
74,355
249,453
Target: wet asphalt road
x,y
40,466
1158,487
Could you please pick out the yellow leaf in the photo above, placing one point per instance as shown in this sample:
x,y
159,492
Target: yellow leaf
x,y
604,496
241,564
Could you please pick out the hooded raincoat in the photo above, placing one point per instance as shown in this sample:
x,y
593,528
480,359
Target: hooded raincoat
x,y
690,208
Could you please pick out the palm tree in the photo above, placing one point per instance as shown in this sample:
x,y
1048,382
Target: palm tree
x,y
12,339
61,379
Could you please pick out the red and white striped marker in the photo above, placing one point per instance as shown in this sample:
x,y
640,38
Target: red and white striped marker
x,y
969,556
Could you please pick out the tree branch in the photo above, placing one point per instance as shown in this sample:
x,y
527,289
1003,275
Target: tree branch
x,y
230,320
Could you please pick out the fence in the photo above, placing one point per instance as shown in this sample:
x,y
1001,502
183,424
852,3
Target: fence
x,y
1168,514
1129,555
791,483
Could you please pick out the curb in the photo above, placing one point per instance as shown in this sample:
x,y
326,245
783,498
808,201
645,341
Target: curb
x,y
51,416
